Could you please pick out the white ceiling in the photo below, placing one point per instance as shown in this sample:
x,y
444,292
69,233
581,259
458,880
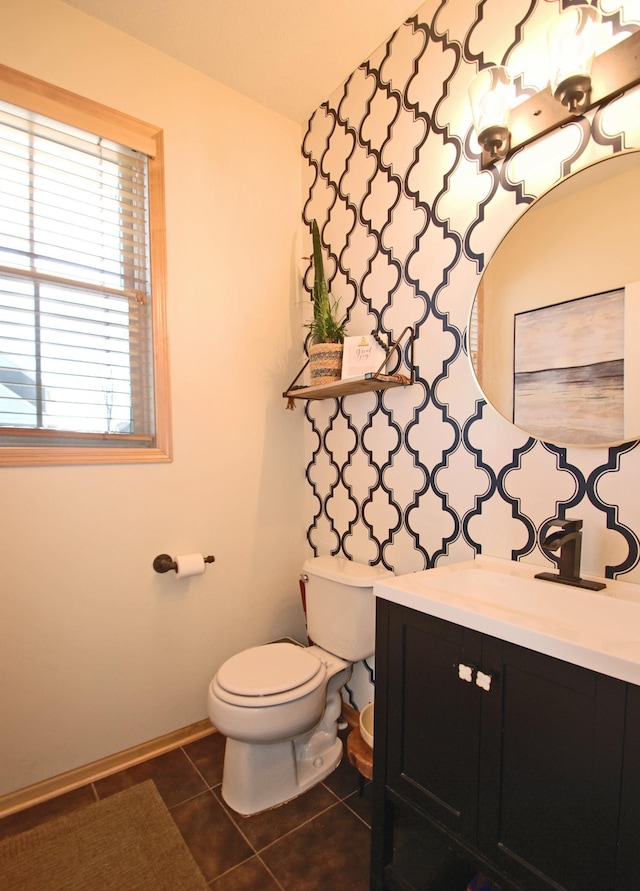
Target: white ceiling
x,y
286,54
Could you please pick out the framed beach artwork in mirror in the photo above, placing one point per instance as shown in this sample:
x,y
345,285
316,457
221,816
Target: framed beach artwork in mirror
x,y
568,380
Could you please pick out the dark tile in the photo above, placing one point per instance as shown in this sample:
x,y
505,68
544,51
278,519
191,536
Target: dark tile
x,y
362,805
330,851
312,843
344,779
173,774
251,875
208,756
46,810
264,828
214,842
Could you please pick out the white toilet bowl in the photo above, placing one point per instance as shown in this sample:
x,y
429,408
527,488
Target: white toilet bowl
x,y
278,706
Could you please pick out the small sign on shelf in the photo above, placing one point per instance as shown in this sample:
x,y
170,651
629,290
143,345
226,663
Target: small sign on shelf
x,y
361,355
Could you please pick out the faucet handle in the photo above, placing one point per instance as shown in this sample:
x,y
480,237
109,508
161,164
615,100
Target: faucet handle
x,y
567,529
567,524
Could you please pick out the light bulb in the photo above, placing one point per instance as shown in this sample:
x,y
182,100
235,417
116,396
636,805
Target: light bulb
x,y
491,95
572,44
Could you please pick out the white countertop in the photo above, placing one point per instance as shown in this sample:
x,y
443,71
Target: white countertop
x,y
597,630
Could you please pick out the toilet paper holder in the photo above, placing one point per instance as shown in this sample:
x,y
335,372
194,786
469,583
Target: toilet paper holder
x,y
164,563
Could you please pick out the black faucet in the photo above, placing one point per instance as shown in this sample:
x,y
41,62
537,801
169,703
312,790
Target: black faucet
x,y
569,539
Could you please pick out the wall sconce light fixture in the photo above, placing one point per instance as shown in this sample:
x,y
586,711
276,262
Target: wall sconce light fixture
x,y
491,94
579,81
572,46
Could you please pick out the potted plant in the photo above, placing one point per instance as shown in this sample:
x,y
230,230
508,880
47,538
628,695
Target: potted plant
x,y
326,330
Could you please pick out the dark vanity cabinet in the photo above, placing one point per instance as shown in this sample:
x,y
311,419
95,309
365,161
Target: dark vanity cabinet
x,y
495,758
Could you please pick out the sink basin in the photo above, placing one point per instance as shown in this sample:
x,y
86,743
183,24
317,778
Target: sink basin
x,y
599,630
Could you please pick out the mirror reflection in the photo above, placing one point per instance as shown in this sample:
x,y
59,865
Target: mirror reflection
x,y
555,325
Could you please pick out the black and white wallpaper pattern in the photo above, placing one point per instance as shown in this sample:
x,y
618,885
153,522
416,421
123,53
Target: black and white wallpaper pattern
x,y
432,473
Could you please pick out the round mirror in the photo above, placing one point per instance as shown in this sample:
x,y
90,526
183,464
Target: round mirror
x,y
555,326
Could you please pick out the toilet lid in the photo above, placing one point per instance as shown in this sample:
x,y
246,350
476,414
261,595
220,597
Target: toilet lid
x,y
267,670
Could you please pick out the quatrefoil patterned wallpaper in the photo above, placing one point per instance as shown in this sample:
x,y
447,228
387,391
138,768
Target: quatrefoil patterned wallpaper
x,y
432,473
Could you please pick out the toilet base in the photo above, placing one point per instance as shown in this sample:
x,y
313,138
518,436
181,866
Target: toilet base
x,y
259,777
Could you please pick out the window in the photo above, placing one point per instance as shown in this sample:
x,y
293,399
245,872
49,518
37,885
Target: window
x,y
83,354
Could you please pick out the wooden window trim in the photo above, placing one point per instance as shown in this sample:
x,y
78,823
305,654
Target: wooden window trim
x,y
54,102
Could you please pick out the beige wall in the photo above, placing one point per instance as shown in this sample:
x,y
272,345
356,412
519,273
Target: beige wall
x,y
98,652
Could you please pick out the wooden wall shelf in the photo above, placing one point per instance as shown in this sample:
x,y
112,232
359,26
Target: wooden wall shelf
x,y
348,388
366,384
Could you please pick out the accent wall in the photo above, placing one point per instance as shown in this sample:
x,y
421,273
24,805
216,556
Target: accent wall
x,y
432,474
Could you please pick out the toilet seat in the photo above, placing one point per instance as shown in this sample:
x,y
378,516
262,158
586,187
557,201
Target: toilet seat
x,y
268,675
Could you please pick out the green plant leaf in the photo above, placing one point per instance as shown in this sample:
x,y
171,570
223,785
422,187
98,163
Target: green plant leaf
x,y
325,327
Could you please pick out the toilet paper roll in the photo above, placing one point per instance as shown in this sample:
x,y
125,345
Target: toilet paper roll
x,y
190,564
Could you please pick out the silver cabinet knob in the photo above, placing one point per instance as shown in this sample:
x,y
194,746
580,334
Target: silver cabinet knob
x,y
483,681
465,672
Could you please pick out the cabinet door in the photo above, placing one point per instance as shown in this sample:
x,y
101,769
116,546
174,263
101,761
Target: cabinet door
x,y
628,872
550,766
433,717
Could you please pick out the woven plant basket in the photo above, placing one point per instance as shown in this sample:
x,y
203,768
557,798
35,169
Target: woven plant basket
x,y
325,363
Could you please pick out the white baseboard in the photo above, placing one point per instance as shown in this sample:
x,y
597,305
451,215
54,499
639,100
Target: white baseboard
x,y
80,776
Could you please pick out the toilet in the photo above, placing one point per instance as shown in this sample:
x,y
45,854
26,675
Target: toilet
x,y
279,704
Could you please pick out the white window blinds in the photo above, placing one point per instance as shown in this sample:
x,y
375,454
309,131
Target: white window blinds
x,y
75,315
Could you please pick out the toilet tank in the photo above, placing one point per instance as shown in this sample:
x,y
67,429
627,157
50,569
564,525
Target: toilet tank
x,y
341,609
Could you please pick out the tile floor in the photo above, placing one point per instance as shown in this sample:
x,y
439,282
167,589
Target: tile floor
x,y
316,842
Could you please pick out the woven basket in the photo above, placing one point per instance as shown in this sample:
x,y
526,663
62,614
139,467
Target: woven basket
x,y
325,363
